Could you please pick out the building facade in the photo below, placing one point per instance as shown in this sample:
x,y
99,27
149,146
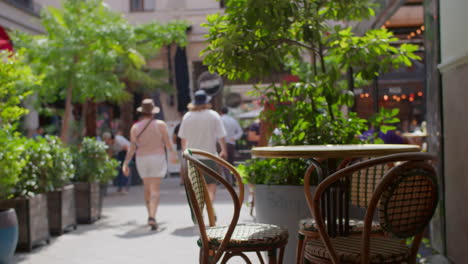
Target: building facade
x,y
22,15
454,71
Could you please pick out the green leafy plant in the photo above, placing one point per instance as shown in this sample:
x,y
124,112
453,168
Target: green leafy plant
x,y
310,39
93,163
88,53
12,162
16,82
382,122
49,166
273,171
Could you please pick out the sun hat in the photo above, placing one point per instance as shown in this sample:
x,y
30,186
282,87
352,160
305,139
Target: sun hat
x,y
201,98
148,107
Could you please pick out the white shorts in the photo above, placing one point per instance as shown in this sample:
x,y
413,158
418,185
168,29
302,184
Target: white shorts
x,y
152,166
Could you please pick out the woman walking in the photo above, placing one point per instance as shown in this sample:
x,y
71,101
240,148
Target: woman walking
x,y
148,138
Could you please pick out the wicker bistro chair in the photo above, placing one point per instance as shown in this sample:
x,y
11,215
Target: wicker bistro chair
x,y
224,242
361,185
406,198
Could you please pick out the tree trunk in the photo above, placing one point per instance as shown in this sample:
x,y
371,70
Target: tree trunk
x,y
64,133
126,112
91,112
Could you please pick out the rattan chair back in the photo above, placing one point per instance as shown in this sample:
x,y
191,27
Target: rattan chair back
x,y
364,182
410,199
406,197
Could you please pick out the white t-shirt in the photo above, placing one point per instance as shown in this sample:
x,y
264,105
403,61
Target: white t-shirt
x,y
233,129
120,143
202,129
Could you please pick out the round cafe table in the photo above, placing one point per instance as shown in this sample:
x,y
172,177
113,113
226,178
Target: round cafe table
x,y
333,153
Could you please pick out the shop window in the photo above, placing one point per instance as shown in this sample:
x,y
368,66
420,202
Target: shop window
x,y
142,5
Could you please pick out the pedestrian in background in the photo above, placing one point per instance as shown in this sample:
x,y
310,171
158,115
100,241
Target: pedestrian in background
x,y
148,138
118,147
201,128
178,142
233,133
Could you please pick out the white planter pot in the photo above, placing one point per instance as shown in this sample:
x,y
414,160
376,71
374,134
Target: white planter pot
x,y
285,206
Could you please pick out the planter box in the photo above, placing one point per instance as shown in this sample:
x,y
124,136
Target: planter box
x,y
284,206
62,212
32,220
88,202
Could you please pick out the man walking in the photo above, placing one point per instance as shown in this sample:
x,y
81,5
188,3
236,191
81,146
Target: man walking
x,y
201,128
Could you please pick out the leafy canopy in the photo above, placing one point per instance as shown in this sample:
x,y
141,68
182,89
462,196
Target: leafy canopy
x,y
86,45
16,82
311,39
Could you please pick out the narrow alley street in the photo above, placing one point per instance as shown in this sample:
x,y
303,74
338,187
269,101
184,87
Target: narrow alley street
x,y
122,236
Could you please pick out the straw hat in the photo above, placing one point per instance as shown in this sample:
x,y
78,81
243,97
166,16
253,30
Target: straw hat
x,y
148,107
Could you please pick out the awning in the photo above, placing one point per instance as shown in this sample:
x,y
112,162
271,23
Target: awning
x,y
5,42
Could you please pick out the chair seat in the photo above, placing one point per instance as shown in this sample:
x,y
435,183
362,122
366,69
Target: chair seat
x,y
348,249
355,226
246,235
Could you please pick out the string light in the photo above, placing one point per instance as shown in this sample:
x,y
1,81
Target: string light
x,y
385,97
420,93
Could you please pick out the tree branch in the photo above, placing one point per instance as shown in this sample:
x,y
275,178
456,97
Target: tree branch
x,y
294,42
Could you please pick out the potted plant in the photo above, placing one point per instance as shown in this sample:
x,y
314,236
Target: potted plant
x,y
29,199
52,162
10,168
93,167
16,82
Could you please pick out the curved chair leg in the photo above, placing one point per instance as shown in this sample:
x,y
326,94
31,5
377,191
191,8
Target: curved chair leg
x,y
259,255
272,256
281,255
201,257
300,248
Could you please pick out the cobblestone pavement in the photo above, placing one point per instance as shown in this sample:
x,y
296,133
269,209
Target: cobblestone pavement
x,y
122,236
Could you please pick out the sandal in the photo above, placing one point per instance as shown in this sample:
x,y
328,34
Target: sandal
x,y
152,223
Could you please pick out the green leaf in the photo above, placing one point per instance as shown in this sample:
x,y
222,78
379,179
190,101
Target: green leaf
x,y
386,128
57,15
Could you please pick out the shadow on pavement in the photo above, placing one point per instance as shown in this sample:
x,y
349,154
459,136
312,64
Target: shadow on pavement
x,y
190,231
142,231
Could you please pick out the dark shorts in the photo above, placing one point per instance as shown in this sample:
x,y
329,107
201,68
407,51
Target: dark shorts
x,y
211,164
